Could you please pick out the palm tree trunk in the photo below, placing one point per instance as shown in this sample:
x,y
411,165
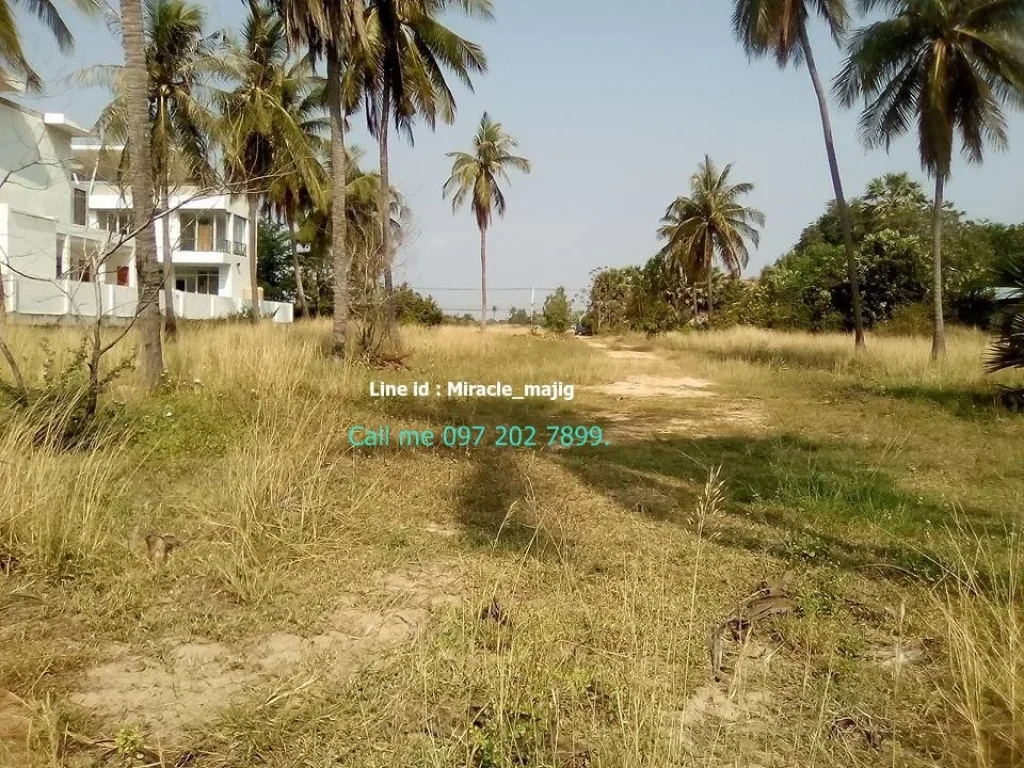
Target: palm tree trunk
x,y
339,246
254,201
709,265
939,333
483,278
710,302
837,186
300,290
384,212
137,82
693,295
170,321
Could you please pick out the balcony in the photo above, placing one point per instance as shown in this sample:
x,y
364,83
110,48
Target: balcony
x,y
194,250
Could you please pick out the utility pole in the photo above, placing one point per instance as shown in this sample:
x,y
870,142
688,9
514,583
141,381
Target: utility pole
x,y
533,311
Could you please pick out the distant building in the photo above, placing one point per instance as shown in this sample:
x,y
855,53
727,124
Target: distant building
x,y
62,216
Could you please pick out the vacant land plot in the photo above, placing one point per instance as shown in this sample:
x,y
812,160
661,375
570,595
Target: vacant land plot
x,y
785,555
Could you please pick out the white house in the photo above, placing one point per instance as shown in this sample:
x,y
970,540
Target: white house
x,y
62,220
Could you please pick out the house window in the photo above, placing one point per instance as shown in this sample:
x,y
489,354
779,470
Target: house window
x,y
118,222
198,232
197,280
60,257
81,207
83,257
238,237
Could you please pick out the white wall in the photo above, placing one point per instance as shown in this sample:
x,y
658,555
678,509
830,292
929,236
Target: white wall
x,y
36,155
30,244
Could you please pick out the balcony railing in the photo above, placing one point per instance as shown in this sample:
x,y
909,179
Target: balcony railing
x,y
188,243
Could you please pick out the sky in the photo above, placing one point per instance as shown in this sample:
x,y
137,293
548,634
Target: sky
x,y
615,105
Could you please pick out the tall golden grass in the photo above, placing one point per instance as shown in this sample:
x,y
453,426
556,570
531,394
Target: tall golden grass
x,y
274,499
894,359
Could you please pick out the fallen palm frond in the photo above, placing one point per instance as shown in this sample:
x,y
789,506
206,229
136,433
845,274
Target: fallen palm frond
x,y
772,598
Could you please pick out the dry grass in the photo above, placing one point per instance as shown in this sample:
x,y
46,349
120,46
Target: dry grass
x,y
894,358
609,564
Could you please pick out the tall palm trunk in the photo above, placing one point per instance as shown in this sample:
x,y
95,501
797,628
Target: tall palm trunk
x,y
693,295
837,186
254,201
709,261
300,290
137,82
170,320
939,331
483,278
384,212
339,244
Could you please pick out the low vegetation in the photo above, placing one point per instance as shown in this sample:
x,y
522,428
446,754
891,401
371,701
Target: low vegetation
x,y
489,606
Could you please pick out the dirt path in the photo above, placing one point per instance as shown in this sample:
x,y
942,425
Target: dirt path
x,y
646,398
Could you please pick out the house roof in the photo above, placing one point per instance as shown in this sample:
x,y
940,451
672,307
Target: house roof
x,y
56,120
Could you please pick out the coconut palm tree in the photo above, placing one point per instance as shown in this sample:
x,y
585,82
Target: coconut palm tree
x,y
335,31
478,175
14,65
291,192
950,66
412,49
711,224
263,136
290,199
179,57
137,89
778,28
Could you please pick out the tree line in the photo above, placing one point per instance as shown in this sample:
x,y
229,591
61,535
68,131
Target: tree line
x,y
808,289
945,69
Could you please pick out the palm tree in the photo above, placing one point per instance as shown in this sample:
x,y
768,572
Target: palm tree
x,y
949,66
293,191
411,51
179,55
894,196
477,174
14,65
290,199
779,28
1008,350
334,30
137,89
262,134
710,224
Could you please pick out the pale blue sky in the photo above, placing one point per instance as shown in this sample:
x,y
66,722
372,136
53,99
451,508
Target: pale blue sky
x,y
615,106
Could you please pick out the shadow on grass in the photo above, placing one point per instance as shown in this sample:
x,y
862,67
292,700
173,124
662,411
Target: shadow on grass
x,y
963,402
495,506
785,496
797,499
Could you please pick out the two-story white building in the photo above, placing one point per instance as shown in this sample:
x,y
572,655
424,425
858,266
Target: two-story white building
x,y
63,253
